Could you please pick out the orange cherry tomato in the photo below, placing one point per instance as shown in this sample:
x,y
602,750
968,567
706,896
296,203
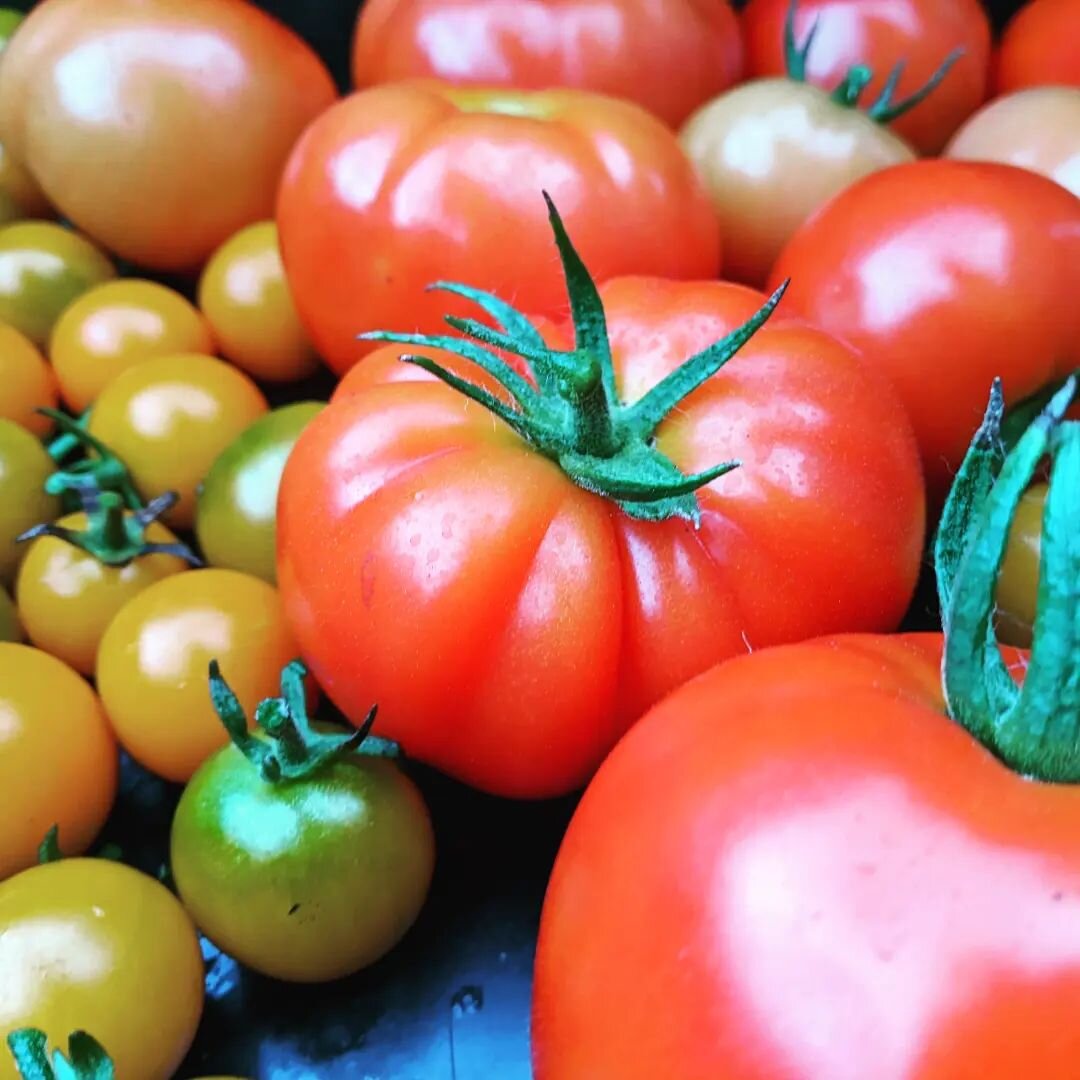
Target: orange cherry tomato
x,y
1040,47
26,381
58,761
169,418
154,657
245,296
24,468
159,126
117,325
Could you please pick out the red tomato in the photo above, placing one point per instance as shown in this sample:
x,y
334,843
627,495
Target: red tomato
x,y
395,186
881,34
945,274
666,57
160,127
511,624
1040,46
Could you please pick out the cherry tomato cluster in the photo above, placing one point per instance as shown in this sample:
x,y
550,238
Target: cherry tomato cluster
x,y
658,340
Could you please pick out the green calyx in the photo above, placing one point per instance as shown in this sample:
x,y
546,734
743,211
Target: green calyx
x,y
570,410
1033,728
851,87
100,469
49,849
85,1060
290,748
113,535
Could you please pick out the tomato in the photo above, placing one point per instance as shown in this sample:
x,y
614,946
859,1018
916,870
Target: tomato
x,y
667,58
919,34
235,519
77,575
944,275
1037,129
394,186
117,325
244,294
510,619
10,627
295,853
26,381
24,468
156,108
170,417
1040,47
43,267
58,762
1018,583
152,662
93,945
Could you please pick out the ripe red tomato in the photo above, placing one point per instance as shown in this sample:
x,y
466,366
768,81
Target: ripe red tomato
x,y
667,57
395,186
882,34
945,274
159,126
512,625
1040,47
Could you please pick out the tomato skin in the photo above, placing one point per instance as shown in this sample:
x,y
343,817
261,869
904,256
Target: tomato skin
x,y
153,57
93,945
945,274
394,185
827,853
195,402
1037,129
153,660
667,58
10,627
290,889
771,152
58,763
24,468
1040,47
20,196
43,267
407,514
237,504
115,326
27,382
67,597
919,32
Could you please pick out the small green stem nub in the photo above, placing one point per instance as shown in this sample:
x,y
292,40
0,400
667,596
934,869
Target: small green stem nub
x,y
86,1059
66,443
851,86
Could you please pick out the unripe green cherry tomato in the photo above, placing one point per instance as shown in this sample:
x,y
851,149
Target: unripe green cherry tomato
x,y
58,763
303,880
93,945
10,627
237,505
27,382
24,468
1018,579
116,326
43,267
245,295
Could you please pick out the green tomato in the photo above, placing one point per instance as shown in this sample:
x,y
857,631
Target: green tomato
x,y
9,23
10,627
235,519
24,468
43,267
304,880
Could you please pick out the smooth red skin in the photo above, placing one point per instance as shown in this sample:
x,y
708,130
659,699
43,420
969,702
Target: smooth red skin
x,y
1040,46
880,34
798,867
945,274
668,58
511,625
395,188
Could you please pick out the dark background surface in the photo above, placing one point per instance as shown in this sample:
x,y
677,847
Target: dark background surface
x,y
452,1001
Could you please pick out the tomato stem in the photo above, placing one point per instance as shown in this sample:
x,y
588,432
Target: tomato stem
x,y
49,849
86,1059
66,443
568,407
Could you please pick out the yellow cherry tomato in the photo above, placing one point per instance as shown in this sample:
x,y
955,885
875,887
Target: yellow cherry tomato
x,y
24,468
245,295
152,668
93,945
58,760
1018,579
43,267
117,325
170,417
67,596
10,626
26,381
